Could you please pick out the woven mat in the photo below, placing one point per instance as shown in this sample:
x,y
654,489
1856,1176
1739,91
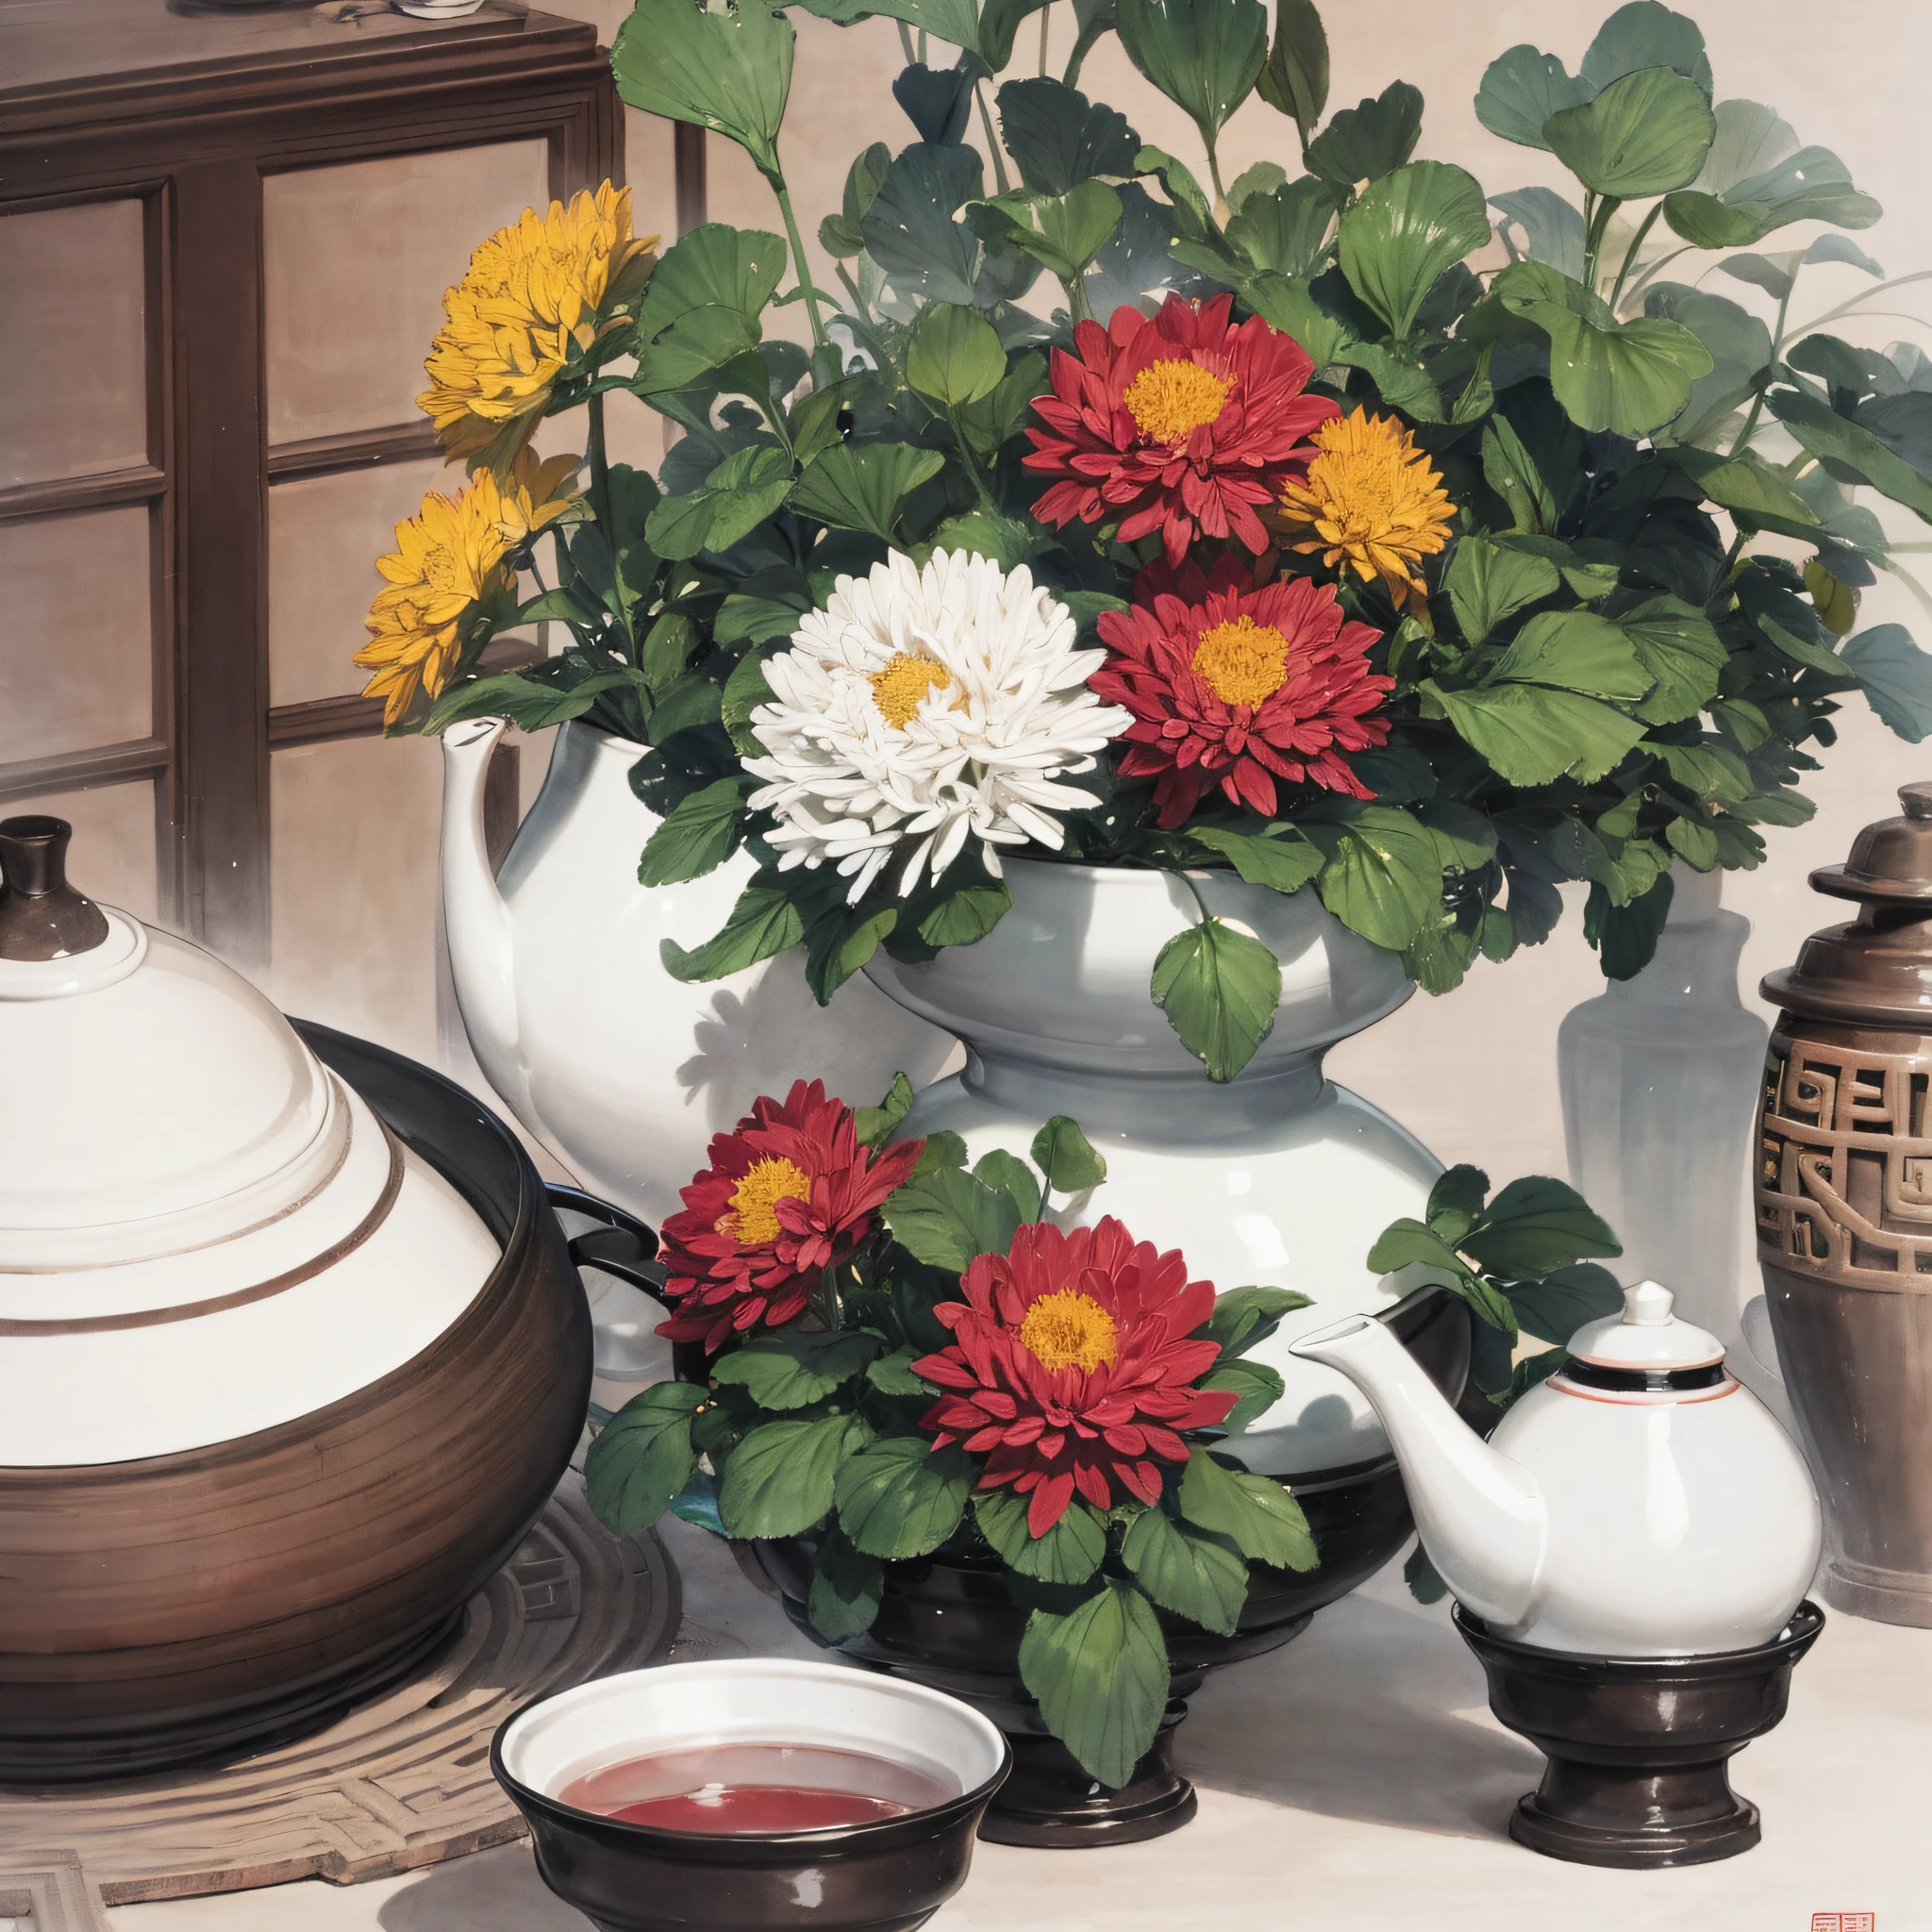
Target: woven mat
x,y
402,1781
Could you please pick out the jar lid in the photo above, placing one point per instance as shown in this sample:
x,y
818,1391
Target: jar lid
x,y
1647,1335
1876,970
152,1101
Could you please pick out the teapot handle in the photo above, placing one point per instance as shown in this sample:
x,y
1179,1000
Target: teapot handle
x,y
621,1246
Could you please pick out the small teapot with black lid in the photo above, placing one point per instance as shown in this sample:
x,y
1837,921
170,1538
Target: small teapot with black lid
x,y
1641,1503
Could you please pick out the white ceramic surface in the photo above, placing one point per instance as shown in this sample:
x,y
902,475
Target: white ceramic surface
x,y
744,1700
1279,1176
203,1233
1601,1524
623,1072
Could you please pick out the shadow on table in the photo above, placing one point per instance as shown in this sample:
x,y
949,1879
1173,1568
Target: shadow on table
x,y
491,1891
1359,1719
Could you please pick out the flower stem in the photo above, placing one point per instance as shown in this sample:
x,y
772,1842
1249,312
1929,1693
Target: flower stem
x,y
1044,11
799,262
600,472
1637,241
971,461
1214,176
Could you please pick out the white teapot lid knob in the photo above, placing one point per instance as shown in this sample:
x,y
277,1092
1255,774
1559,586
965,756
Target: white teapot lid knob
x,y
1647,1305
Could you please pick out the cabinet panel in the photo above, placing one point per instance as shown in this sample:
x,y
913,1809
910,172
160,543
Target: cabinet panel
x,y
72,322
325,534
76,650
355,259
113,856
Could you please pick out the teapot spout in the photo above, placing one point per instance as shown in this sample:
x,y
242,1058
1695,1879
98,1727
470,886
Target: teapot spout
x,y
1481,1515
481,956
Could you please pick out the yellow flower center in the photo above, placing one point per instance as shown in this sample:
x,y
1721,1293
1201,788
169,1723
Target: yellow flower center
x,y
1242,662
754,1216
1170,399
898,689
1069,1330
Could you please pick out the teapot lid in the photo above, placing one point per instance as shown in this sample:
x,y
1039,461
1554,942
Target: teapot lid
x,y
151,1100
1647,1335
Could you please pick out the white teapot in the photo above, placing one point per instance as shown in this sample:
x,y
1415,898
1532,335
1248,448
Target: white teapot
x,y
1641,1503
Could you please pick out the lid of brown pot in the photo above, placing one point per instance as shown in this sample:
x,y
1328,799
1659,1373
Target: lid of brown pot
x,y
1875,970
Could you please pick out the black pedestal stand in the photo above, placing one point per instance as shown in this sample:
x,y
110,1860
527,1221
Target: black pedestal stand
x,y
1638,1746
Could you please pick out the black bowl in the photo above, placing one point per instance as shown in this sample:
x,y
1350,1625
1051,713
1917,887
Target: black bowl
x,y
887,1877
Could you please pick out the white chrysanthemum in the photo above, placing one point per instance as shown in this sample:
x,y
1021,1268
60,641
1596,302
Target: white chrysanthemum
x,y
922,708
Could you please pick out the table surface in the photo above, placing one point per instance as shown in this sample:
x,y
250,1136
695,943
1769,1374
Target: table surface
x,y
1354,1780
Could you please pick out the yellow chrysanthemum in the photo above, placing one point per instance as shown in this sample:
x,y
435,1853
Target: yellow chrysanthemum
x,y
536,295
449,558
1369,500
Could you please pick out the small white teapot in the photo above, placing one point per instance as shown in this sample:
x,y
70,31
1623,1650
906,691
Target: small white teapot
x,y
1641,1503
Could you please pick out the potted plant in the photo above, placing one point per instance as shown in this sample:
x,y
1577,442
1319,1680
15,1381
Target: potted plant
x,y
1006,1457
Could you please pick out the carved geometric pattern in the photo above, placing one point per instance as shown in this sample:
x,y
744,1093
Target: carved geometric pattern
x,y
1845,1178
401,1781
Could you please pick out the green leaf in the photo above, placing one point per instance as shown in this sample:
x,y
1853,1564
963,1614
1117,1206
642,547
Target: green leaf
x,y
1625,935
1424,1584
910,230
1100,1676
699,836
1575,651
860,486
892,1374
1405,1243
1058,137
1746,486
1826,434
1645,34
779,1479
795,1369
839,235
641,1457
763,921
839,940
714,266
1203,1578
1487,584
899,1497
1284,860
1256,1385
1257,1515
953,357
944,1217
942,1149
1064,233
1456,1201
1644,134
727,71
1679,647
874,1125
692,349
1530,1373
1403,230
1897,679
1065,1155
846,1589
1383,879
1219,990
966,914
745,488
1295,79
1558,1305
1069,1553
1370,139
1520,90
1245,1317
1292,308
1511,471
1535,737
667,650
1203,55
1706,221
1284,231
999,1168
1535,1225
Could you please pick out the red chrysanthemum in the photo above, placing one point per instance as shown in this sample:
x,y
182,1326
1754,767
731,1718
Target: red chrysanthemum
x,y
1176,423
1239,687
788,1193
1072,1365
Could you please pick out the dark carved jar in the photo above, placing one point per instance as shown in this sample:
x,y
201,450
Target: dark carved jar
x,y
1844,1214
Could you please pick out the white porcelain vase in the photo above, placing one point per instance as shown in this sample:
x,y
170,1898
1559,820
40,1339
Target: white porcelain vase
x,y
1279,1176
623,1072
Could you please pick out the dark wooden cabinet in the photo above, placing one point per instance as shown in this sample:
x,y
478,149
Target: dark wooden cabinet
x,y
223,239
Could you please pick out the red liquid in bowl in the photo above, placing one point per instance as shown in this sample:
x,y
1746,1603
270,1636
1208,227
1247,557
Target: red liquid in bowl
x,y
757,1788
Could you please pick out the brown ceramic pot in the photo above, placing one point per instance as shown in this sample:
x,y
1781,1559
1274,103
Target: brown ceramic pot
x,y
1844,1214
188,1605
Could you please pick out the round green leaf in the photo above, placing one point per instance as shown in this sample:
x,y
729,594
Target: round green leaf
x,y
729,71
1405,230
899,1497
1644,134
955,356
1205,55
1100,1675
778,1480
1521,88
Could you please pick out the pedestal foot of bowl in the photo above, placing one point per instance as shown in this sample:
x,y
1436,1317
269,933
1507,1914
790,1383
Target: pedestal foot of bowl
x,y
1049,1801
1638,1748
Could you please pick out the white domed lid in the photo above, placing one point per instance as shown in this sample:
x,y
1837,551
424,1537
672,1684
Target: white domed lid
x,y
151,1100
1647,1335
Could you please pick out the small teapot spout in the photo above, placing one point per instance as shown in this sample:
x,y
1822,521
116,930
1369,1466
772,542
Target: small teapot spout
x,y
1481,1515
